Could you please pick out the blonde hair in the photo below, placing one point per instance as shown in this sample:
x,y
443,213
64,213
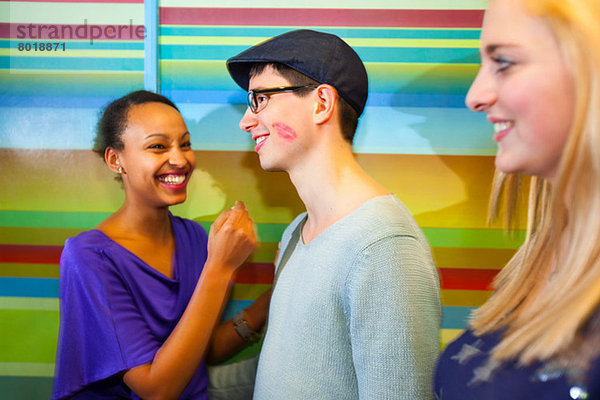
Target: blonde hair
x,y
548,294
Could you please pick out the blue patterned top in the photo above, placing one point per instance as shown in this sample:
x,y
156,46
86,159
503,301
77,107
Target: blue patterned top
x,y
463,372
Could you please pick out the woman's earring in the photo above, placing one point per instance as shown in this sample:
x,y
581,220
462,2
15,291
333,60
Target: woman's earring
x,y
120,169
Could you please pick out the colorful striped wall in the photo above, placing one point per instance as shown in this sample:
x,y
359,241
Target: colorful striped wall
x,y
416,138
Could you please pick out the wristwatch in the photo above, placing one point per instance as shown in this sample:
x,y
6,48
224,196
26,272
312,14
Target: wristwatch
x,y
241,327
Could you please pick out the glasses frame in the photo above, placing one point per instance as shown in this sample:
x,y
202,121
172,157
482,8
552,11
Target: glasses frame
x,y
253,101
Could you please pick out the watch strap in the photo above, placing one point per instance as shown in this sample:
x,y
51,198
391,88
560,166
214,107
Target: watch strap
x,y
241,327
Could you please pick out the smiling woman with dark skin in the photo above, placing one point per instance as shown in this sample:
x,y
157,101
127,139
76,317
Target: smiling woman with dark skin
x,y
142,293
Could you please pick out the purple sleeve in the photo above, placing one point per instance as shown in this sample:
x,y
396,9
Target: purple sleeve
x,y
101,331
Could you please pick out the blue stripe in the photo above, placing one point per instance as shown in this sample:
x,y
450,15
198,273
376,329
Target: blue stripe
x,y
367,54
455,317
55,101
28,287
233,306
66,63
342,32
236,97
397,130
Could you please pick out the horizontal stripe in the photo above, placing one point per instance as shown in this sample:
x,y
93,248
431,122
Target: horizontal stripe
x,y
486,238
10,253
255,273
467,279
29,270
463,298
441,191
321,17
84,220
84,13
25,387
478,258
445,257
47,219
354,42
26,369
78,45
262,273
22,387
28,287
90,64
407,130
242,291
374,100
39,250
234,97
367,54
79,1
399,4
448,335
411,78
264,253
28,336
84,32
15,54
455,317
345,32
29,303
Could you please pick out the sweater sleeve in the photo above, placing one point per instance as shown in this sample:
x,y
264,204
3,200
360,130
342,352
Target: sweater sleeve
x,y
394,318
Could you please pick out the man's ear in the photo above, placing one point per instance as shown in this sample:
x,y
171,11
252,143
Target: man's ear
x,y
112,160
326,103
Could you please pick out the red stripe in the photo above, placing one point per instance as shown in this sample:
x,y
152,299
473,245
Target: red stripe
x,y
30,254
467,279
321,17
68,32
255,273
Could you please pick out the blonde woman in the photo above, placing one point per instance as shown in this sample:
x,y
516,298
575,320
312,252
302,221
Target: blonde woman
x,y
538,337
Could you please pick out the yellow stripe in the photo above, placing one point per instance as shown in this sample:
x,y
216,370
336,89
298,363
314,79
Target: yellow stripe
x,y
448,335
464,298
246,291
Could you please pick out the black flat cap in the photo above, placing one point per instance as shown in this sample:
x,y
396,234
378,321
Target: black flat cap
x,y
320,56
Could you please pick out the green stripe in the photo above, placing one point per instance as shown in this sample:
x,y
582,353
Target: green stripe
x,y
58,224
473,238
28,336
29,303
269,233
24,270
45,219
25,388
26,369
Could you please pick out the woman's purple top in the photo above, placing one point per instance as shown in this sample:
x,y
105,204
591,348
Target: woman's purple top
x,y
116,311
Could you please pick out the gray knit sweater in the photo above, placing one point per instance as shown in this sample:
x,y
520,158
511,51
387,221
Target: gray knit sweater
x,y
355,313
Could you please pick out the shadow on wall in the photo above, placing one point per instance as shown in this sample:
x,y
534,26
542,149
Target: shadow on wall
x,y
226,176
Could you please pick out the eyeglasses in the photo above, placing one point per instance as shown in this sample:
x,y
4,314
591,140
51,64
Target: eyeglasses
x,y
257,102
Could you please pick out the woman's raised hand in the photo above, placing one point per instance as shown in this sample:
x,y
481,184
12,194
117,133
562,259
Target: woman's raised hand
x,y
232,237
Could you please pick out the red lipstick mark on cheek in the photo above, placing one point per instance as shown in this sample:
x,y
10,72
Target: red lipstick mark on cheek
x,y
284,131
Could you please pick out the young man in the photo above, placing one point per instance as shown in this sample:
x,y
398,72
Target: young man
x,y
355,311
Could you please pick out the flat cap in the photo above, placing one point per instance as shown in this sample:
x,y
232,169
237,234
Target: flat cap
x,y
320,56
